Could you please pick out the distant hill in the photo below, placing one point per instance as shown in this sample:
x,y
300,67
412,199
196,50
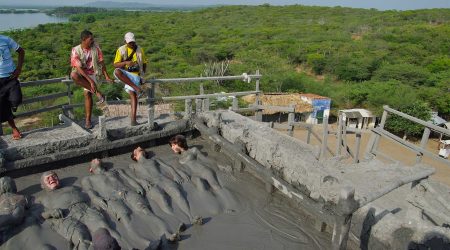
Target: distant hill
x,y
141,6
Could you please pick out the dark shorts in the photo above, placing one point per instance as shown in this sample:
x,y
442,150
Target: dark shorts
x,y
10,96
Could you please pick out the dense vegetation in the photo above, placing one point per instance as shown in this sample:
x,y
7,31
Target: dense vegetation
x,y
357,57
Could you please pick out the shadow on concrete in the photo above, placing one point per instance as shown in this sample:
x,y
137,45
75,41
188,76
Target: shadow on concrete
x,y
368,223
434,240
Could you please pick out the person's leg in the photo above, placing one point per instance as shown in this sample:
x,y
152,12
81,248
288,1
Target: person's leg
x,y
88,108
15,94
15,131
83,82
125,79
133,98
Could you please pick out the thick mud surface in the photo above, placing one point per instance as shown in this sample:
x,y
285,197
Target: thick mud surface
x,y
238,215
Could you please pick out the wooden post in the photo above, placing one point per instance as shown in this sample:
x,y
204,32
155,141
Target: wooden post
x,y
291,120
423,143
358,145
187,108
323,150
151,104
339,135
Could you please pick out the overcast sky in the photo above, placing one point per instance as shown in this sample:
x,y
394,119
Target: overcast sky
x,y
378,4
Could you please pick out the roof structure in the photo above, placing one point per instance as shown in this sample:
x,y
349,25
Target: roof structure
x,y
357,113
281,99
313,96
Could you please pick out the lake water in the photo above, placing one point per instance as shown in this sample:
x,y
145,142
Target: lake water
x,y
27,20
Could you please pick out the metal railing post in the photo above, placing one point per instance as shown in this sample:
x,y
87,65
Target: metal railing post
x,y
187,108
358,145
235,105
291,120
258,113
151,104
339,135
375,138
423,143
323,150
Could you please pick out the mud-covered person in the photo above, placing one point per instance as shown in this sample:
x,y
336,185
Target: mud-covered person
x,y
10,91
67,210
130,64
203,176
87,63
194,160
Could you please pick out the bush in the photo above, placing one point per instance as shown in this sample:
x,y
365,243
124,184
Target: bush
x,y
405,73
397,124
316,62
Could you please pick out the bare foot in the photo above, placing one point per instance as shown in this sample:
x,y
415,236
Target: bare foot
x,y
16,135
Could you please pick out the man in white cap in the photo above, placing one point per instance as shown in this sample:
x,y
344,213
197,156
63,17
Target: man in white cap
x,y
130,64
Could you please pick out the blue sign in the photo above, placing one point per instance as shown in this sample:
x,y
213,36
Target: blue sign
x,y
320,105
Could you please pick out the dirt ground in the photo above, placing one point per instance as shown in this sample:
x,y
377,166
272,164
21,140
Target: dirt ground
x,y
392,149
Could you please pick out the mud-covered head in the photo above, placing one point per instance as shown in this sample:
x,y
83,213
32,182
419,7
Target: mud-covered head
x,y
49,181
7,185
178,144
96,166
138,153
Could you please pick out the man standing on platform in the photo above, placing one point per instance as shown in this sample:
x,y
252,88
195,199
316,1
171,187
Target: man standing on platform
x,y
10,92
86,60
130,64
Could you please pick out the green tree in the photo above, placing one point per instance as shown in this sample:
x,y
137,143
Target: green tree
x,y
399,125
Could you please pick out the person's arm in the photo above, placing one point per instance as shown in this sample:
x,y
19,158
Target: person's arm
x,y
131,181
95,197
20,61
101,63
178,176
201,157
118,63
145,67
105,72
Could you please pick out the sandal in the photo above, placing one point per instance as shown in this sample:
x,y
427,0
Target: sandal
x,y
101,99
88,126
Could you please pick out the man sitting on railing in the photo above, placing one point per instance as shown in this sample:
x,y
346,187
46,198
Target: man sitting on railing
x,y
130,64
87,62
10,92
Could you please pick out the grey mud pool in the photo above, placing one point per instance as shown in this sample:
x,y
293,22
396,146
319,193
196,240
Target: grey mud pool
x,y
241,214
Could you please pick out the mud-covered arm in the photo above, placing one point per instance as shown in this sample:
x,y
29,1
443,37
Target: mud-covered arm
x,y
201,157
37,209
131,181
178,176
96,199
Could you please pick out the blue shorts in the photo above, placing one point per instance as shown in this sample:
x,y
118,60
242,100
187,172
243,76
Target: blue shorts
x,y
134,78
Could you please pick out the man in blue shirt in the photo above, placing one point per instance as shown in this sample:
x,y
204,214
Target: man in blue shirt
x,y
10,92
